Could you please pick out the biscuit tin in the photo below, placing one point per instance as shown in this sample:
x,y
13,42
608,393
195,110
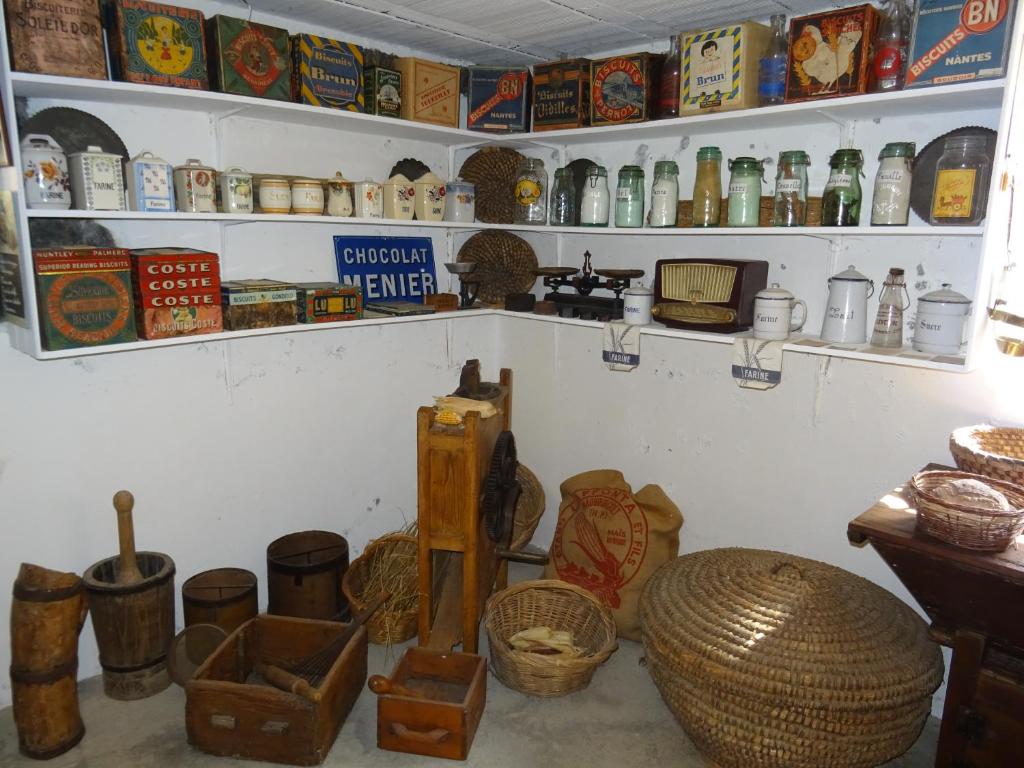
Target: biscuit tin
x,y
328,302
249,59
327,73
719,67
561,94
257,303
56,38
959,40
430,91
159,44
383,91
622,88
176,292
830,53
499,99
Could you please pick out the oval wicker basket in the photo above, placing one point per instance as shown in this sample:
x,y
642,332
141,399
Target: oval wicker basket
x,y
993,451
560,606
770,660
529,508
985,530
389,625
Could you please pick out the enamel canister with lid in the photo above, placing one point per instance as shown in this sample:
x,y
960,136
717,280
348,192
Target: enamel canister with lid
x,y
236,191
773,314
150,183
45,167
193,183
399,198
368,198
846,311
308,197
430,198
275,196
97,181
460,201
339,196
636,305
940,321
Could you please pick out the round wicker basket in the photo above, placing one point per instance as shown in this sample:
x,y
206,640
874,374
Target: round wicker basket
x,y
560,606
993,451
529,508
505,264
768,659
492,170
395,553
985,530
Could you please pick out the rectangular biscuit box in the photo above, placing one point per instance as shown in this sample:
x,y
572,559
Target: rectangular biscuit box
x,y
177,292
327,73
158,44
257,303
249,59
499,99
328,302
561,94
430,91
958,40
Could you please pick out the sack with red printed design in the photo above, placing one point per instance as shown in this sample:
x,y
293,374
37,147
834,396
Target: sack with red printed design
x,y
610,540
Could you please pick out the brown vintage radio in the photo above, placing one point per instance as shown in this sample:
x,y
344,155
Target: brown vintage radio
x,y
715,295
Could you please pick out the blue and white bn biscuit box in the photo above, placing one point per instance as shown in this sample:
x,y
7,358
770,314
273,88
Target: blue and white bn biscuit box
x,y
957,40
150,183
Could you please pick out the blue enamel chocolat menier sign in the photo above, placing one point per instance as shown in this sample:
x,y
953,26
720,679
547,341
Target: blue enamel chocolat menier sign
x,y
387,268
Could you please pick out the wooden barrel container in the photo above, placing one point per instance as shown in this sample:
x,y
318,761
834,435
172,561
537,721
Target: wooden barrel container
x,y
226,597
304,572
47,613
134,625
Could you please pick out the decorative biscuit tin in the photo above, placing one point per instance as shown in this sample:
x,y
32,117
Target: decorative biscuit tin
x,y
817,69
56,38
249,59
719,67
194,184
328,302
561,94
499,99
257,303
959,40
430,91
622,88
327,73
150,184
97,182
159,44
176,292
383,91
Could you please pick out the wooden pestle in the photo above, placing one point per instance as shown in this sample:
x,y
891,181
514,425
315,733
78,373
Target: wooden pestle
x,y
288,682
128,567
382,686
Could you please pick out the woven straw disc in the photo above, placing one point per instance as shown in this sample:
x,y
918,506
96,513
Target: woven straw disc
x,y
529,508
505,264
768,659
493,172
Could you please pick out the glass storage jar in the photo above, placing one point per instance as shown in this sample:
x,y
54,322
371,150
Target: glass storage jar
x,y
531,202
960,194
562,208
790,208
890,202
665,194
629,197
596,198
745,191
707,188
840,203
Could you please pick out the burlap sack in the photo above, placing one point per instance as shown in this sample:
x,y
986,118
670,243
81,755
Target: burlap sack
x,y
610,540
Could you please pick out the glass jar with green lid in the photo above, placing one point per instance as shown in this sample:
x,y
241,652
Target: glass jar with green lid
x,y
665,194
707,188
746,175
629,197
890,203
790,208
840,203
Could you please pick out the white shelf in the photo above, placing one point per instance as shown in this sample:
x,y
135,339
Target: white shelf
x,y
230,218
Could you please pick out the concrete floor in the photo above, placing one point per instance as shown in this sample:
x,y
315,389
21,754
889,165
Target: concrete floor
x,y
620,721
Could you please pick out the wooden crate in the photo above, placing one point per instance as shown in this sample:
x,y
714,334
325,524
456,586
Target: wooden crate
x,y
430,91
226,716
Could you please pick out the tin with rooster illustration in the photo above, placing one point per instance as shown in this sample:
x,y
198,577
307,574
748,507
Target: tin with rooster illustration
x,y
159,44
830,53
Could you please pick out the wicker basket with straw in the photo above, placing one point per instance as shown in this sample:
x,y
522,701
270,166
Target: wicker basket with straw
x,y
965,525
561,607
993,451
388,564
529,508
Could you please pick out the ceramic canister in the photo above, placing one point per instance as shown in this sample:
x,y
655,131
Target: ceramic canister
x,y
339,196
308,197
236,191
97,181
45,167
940,320
194,187
773,314
460,201
275,196
430,194
368,198
846,311
399,198
636,306
150,183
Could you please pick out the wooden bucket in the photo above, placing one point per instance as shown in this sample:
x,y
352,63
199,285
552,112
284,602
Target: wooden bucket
x,y
304,572
134,625
47,614
226,597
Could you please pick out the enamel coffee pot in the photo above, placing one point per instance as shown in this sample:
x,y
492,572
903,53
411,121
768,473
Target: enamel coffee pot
x,y
846,311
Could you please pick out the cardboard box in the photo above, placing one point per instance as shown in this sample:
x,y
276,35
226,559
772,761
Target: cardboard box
x,y
176,291
84,296
58,38
430,91
719,67
327,73
957,40
623,88
819,71
328,302
561,94
249,59
383,91
159,44
257,304
499,99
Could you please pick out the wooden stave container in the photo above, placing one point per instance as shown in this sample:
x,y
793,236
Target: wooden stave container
x,y
140,671
307,590
48,610
226,597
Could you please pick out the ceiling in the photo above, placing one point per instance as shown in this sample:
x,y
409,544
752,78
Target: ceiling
x,y
526,31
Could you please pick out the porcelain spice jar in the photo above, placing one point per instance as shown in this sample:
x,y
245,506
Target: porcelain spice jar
x,y
940,320
150,184
399,198
339,196
430,198
97,181
236,191
846,311
773,314
307,197
368,197
193,184
275,196
45,166
460,202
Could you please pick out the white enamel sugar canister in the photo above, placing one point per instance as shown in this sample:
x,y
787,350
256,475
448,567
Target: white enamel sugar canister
x,y
150,184
97,181
939,324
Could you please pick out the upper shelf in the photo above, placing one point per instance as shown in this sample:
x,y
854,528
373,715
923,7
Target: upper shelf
x,y
958,97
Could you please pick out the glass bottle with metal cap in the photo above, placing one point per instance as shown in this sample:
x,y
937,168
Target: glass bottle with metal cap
x,y
746,175
707,188
893,301
890,203
840,203
629,197
665,194
790,209
596,198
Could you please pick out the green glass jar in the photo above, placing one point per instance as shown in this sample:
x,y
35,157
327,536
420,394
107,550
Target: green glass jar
x,y
707,188
629,197
745,191
840,203
790,208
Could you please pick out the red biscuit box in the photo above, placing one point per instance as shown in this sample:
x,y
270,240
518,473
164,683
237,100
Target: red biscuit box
x,y
177,292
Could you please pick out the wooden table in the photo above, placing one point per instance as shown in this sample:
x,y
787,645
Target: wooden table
x,y
976,605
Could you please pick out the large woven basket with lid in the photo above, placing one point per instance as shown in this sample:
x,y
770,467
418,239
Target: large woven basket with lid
x,y
768,659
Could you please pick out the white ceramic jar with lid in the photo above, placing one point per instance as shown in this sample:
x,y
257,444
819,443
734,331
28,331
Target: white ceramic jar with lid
x,y
773,314
194,185
307,197
150,183
846,311
368,198
460,201
97,181
940,321
399,198
45,167
339,196
430,198
236,191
